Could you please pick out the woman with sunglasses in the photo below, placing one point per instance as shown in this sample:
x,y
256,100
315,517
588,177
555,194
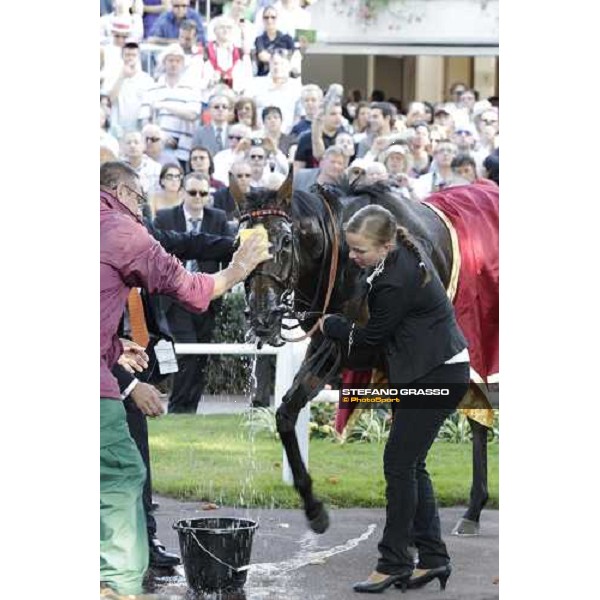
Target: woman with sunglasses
x,y
170,182
270,41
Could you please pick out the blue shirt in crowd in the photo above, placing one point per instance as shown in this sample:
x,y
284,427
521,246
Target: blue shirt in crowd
x,y
166,26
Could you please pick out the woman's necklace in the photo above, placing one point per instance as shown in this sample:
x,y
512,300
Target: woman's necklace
x,y
376,272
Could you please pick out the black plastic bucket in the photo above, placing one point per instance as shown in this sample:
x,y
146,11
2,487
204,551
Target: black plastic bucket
x,y
212,551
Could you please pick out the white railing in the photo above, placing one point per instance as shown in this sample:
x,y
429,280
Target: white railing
x,y
288,360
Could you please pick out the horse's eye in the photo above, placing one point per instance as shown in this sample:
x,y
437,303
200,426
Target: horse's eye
x,y
286,241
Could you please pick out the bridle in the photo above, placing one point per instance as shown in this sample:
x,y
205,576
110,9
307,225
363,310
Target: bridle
x,y
290,283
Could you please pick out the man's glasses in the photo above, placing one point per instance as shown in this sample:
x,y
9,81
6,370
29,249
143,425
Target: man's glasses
x,y
218,106
197,193
462,132
152,140
174,176
141,199
269,17
243,175
235,137
180,5
257,156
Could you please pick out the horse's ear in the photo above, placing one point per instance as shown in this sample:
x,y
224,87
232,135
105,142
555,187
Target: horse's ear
x,y
284,193
234,189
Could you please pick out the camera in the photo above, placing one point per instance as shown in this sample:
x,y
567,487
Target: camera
x,y
257,141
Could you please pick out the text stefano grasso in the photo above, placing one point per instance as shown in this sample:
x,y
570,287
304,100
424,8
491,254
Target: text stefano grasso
x,y
395,392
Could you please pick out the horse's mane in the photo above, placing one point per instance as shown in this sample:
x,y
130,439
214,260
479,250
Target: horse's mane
x,y
304,204
356,195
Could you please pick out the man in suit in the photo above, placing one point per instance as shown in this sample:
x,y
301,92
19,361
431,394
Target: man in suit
x,y
214,136
188,327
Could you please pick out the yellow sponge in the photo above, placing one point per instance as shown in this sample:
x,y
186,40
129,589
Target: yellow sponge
x,y
260,228
246,233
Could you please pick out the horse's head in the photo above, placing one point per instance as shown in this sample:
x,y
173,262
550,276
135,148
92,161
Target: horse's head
x,y
268,288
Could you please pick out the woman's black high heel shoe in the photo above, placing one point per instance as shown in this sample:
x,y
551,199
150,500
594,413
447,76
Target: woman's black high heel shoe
x,y
441,573
370,586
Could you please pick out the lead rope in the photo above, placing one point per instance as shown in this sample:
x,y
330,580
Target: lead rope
x,y
332,275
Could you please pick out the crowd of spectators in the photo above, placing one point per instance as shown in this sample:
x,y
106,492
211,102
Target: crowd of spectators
x,y
227,98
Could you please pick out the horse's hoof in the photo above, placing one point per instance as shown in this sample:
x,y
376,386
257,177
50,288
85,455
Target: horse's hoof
x,y
466,528
320,522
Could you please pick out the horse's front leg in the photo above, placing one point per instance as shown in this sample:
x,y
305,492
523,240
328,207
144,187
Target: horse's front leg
x,y
469,523
287,415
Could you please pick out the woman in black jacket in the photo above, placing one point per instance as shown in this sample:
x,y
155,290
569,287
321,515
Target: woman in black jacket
x,y
413,321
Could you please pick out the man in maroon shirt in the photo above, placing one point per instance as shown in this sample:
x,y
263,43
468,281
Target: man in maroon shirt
x,y
131,258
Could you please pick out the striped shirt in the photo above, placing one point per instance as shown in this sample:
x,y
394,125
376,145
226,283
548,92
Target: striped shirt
x,y
181,129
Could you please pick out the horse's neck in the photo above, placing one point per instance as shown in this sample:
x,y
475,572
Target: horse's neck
x,y
423,224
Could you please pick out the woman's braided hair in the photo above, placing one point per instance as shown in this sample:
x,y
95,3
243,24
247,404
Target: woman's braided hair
x,y
379,225
407,241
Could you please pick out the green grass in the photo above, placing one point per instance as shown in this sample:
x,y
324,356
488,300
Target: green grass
x,y
212,458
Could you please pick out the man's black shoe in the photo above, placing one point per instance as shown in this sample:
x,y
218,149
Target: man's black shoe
x,y
159,557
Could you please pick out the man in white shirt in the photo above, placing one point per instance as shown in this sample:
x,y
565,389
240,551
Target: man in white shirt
x,y
127,91
264,160
173,105
147,169
111,59
278,89
198,73
153,137
224,159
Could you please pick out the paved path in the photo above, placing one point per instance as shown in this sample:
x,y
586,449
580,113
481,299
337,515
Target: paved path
x,y
292,563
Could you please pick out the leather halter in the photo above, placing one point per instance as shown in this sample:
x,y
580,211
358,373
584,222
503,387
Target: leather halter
x,y
289,284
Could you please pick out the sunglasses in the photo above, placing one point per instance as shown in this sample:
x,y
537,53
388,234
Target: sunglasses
x,y
152,139
197,193
180,5
269,18
257,156
463,132
235,137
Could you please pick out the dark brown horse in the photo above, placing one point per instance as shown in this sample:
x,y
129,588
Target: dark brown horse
x,y
310,274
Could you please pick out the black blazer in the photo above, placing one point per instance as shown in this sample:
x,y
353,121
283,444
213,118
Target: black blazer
x,y
416,326
223,200
158,328
214,221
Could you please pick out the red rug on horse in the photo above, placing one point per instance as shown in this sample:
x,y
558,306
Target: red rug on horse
x,y
471,213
